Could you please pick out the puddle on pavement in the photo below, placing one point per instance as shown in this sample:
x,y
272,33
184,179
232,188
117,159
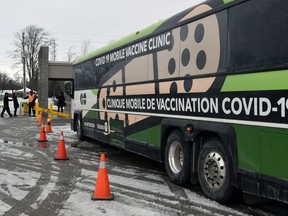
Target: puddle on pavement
x,y
43,145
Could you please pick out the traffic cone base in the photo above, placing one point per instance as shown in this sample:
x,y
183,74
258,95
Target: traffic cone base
x,y
103,198
42,136
61,158
61,152
102,188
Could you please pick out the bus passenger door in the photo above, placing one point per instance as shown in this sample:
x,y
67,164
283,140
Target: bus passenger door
x,y
117,132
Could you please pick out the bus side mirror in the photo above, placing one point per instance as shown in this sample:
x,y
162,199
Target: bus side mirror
x,y
68,86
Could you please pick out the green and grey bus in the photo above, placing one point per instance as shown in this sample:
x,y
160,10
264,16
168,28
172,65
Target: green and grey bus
x,y
204,91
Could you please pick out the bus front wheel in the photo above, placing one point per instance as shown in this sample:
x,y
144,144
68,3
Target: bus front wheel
x,y
214,171
177,158
79,129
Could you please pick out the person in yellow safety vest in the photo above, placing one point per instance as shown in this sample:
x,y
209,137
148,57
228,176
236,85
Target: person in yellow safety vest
x,y
31,99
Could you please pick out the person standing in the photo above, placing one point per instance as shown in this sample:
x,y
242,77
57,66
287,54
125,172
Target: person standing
x,y
61,102
31,100
16,103
6,105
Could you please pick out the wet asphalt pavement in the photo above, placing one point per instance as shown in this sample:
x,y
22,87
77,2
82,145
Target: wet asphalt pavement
x,y
33,183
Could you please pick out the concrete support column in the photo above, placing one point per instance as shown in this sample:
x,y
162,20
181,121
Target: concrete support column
x,y
43,76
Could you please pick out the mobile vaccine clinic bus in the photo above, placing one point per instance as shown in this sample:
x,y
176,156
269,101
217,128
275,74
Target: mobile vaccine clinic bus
x,y
204,91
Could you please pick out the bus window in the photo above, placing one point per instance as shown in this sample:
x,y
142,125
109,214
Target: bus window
x,y
261,44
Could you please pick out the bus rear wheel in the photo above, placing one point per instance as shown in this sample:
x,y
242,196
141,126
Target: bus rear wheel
x,y
214,171
177,158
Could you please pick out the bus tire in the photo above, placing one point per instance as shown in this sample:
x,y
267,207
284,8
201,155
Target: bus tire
x,y
177,158
214,171
79,128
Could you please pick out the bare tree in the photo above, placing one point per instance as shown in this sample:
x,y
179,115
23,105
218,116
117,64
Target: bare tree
x,y
4,81
18,79
14,84
53,49
71,54
85,47
27,43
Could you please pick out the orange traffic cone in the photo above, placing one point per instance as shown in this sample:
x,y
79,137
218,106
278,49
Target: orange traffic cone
x,y
48,126
61,153
40,120
102,188
42,136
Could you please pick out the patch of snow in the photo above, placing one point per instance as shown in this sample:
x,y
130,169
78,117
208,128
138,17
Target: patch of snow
x,y
4,208
17,184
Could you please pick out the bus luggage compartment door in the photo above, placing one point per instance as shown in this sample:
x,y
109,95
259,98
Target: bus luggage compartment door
x,y
117,133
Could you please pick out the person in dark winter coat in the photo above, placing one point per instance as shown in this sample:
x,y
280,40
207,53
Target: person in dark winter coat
x,y
6,105
16,103
61,102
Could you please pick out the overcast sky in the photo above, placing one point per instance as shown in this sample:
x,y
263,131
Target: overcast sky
x,y
72,21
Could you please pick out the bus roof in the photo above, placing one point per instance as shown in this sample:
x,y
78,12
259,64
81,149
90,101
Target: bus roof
x,y
130,38
120,42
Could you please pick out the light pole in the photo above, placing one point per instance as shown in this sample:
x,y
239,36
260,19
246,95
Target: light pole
x,y
24,75
23,61
25,55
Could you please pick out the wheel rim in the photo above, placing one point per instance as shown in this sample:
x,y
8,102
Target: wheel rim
x,y
214,170
176,157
